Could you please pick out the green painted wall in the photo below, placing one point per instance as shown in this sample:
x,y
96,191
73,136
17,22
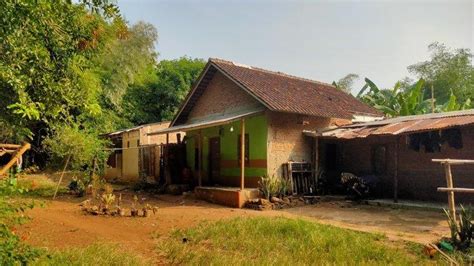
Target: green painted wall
x,y
256,127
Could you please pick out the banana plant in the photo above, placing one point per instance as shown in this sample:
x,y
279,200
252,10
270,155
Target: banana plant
x,y
410,101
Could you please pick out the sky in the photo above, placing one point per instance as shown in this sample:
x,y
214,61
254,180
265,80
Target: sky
x,y
320,40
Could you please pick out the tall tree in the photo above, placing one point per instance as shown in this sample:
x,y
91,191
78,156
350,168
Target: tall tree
x,y
66,65
447,71
159,95
346,83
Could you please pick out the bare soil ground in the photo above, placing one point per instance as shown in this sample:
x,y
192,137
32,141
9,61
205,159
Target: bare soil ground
x,y
61,223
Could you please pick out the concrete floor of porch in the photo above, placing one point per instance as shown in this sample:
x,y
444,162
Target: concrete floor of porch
x,y
227,196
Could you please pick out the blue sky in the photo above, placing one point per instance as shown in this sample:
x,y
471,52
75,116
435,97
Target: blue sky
x,y
321,40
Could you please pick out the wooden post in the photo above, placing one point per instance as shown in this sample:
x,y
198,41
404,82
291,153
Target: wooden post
x,y
61,177
316,159
199,158
242,153
449,182
395,175
167,166
15,157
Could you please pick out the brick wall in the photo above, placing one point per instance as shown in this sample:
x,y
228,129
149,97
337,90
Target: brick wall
x,y
221,96
418,176
157,139
286,141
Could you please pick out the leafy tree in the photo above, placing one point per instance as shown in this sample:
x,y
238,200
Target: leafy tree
x,y
346,82
66,65
402,101
160,93
447,72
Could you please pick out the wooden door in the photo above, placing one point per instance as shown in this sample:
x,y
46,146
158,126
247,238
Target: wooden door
x,y
214,159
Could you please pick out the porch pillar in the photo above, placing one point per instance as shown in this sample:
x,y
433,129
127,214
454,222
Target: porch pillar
x,y
395,176
242,153
199,158
167,166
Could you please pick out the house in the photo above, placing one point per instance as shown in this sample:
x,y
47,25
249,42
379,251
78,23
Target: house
x,y
244,122
398,152
134,152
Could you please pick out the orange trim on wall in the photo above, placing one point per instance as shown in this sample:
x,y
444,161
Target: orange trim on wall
x,y
258,163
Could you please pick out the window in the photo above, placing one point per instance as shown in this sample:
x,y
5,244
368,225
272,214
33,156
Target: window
x,y
379,159
112,160
138,142
247,157
128,144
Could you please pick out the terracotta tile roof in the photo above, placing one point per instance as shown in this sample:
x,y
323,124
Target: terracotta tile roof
x,y
286,93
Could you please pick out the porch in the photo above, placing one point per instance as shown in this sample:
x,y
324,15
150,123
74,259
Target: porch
x,y
222,168
228,196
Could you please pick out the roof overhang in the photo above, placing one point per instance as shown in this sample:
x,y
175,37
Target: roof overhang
x,y
209,122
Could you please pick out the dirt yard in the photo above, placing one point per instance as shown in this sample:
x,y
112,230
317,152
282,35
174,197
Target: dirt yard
x,y
61,223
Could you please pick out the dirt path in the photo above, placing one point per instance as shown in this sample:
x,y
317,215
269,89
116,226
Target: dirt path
x,y
61,223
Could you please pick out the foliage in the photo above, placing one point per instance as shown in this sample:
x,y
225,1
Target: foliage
x,y
400,101
461,231
345,84
446,84
82,147
272,186
162,90
96,254
67,64
12,250
282,241
449,72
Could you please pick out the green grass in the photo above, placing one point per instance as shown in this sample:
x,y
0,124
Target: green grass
x,y
97,254
39,187
283,241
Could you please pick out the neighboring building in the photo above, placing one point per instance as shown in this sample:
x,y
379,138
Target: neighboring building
x,y
125,161
272,107
398,152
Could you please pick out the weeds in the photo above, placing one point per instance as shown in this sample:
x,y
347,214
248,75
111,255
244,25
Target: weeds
x,y
97,254
283,241
12,250
461,231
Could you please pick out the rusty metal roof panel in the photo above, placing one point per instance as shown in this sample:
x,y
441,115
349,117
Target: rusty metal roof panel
x,y
398,126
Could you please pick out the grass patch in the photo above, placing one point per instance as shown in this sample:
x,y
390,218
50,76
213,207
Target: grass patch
x,y
265,241
97,254
38,186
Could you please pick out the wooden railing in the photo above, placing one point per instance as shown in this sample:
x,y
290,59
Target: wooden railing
x,y
450,189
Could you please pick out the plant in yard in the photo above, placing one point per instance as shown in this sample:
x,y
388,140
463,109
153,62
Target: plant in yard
x,y
134,211
12,250
284,186
269,186
107,198
461,231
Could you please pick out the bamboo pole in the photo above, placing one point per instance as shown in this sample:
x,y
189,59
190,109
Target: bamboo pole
x,y
61,177
449,182
461,190
15,157
242,153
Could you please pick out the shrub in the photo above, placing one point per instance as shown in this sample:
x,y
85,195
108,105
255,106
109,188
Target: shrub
x,y
461,231
272,186
12,250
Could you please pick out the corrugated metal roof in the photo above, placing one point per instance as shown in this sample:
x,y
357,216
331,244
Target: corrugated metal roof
x,y
111,134
402,125
211,122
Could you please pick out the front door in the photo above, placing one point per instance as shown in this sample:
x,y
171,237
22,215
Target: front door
x,y
214,159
